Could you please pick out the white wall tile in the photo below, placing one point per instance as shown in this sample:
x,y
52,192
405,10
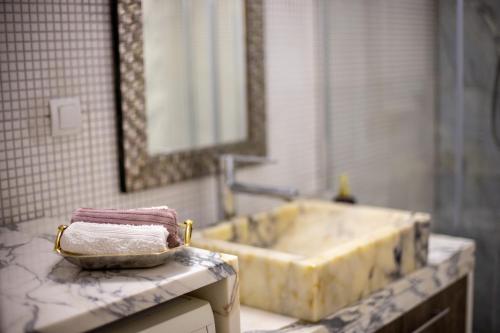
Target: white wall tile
x,y
381,70
56,49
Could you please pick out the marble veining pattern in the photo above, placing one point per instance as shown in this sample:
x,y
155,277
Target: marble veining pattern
x,y
40,291
449,259
309,258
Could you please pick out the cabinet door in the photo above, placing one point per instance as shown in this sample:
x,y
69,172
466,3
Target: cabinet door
x,y
443,312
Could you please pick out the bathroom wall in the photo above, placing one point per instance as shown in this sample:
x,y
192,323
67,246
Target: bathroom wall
x,y
481,196
381,82
59,48
378,76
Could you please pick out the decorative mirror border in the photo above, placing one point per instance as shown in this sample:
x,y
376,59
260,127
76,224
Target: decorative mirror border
x,y
139,170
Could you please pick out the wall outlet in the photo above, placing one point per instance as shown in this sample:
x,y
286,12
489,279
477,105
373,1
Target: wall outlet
x,y
66,116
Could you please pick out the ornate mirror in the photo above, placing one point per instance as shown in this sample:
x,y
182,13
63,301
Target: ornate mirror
x,y
190,86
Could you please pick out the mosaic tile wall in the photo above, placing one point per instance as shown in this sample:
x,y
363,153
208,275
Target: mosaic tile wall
x,y
381,88
59,48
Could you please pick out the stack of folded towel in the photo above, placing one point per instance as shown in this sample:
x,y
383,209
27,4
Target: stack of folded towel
x,y
113,231
100,238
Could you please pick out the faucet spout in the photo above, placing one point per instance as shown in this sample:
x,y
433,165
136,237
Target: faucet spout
x,y
287,194
229,186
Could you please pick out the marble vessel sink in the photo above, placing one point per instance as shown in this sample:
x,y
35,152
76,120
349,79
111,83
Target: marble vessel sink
x,y
307,259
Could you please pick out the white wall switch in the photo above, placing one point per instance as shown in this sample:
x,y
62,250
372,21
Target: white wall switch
x,y
66,115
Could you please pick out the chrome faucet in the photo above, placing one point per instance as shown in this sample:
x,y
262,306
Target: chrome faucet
x,y
228,185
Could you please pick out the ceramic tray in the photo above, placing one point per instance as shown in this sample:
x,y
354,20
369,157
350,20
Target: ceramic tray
x,y
87,261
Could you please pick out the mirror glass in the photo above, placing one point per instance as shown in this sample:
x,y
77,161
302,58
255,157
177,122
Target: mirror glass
x,y
194,73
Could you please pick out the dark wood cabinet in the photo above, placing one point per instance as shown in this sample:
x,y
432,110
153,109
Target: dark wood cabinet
x,y
442,313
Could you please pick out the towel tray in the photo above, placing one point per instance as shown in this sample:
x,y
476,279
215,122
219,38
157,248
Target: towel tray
x,y
119,261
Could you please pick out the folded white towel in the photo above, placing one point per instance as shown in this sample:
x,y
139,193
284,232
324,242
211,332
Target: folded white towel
x,y
108,239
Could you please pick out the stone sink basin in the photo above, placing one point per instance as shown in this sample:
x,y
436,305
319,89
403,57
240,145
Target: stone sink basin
x,y
307,259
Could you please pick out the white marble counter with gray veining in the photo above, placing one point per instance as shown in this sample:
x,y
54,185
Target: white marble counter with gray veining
x,y
39,291
450,258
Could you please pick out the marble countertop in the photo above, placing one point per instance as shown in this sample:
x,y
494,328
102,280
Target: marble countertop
x,y
450,258
39,291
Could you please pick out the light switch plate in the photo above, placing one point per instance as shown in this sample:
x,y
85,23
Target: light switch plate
x,y
66,116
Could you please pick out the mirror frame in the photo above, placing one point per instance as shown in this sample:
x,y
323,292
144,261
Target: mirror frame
x,y
138,169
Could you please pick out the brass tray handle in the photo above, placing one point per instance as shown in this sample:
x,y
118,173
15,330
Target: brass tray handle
x,y
187,233
57,244
188,224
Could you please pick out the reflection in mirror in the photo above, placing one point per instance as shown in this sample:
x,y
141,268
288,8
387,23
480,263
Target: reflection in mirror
x,y
194,66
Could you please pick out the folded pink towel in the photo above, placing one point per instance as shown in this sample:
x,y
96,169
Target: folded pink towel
x,y
141,216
